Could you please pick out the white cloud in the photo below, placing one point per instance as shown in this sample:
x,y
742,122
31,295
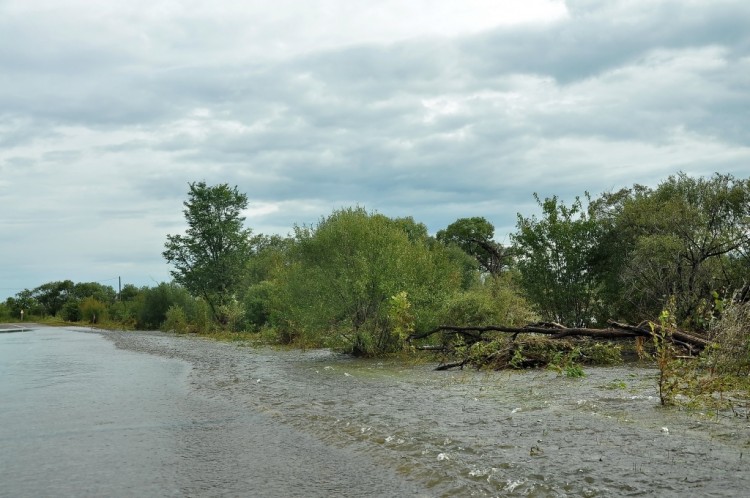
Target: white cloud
x,y
435,110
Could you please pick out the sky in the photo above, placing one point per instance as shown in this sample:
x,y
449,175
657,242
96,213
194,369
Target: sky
x,y
433,109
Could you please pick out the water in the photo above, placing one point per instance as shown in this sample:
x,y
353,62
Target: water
x,y
79,417
195,417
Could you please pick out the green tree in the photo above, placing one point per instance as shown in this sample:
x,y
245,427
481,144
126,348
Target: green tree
x,y
210,259
341,277
53,295
688,239
269,254
555,260
153,304
474,236
103,293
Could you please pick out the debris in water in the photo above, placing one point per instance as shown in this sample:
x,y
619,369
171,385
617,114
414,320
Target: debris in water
x,y
665,430
443,456
515,410
536,451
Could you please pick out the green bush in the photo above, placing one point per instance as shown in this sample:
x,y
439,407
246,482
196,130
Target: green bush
x,y
70,311
155,302
5,312
92,310
175,321
342,273
496,301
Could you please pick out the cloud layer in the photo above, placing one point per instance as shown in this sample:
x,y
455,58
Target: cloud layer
x,y
108,110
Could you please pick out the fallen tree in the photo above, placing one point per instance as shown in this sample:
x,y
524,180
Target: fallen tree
x,y
471,335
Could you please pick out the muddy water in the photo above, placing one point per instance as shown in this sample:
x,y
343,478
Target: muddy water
x,y
249,421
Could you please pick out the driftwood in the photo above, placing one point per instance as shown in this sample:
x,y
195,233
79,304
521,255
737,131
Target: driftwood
x,y
557,331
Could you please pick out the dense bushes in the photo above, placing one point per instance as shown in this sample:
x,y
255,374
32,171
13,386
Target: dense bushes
x,y
362,281
342,273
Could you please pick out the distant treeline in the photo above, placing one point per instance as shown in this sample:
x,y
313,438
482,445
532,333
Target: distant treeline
x,y
363,282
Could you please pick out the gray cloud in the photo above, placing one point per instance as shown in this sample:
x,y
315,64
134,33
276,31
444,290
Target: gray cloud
x,y
109,111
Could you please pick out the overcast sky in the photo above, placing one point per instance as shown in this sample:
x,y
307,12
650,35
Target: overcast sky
x,y
426,108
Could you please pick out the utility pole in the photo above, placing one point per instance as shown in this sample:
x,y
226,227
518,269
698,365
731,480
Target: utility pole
x,y
119,288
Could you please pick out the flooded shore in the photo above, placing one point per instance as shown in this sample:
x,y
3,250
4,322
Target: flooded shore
x,y
480,433
327,423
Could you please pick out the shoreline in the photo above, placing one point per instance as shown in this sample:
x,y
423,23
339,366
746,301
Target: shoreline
x,y
470,431
10,327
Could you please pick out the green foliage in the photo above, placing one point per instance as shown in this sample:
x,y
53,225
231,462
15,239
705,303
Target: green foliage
x,y
270,253
175,320
257,304
92,310
129,293
494,301
209,260
124,313
474,236
400,315
689,239
341,274
53,295
231,314
602,353
200,316
70,311
533,351
718,378
5,312
668,381
555,260
104,293
155,301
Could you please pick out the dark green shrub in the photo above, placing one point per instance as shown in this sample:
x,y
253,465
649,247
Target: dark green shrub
x,y
92,310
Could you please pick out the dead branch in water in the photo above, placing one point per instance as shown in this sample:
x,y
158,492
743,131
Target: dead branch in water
x,y
553,330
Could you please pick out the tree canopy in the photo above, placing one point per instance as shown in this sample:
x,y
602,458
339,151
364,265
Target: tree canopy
x,y
474,236
554,258
209,260
346,274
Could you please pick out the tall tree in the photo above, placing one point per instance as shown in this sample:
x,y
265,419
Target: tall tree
x,y
689,238
209,260
555,256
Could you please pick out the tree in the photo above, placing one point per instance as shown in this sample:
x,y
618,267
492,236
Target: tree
x,y
269,255
209,260
474,236
688,239
52,296
555,255
355,279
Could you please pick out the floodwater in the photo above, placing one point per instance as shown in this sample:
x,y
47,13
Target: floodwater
x,y
140,414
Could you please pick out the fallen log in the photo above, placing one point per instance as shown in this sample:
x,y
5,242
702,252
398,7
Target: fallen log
x,y
556,331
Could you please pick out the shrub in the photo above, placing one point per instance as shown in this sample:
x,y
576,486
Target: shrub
x,y
493,302
92,310
175,321
70,311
